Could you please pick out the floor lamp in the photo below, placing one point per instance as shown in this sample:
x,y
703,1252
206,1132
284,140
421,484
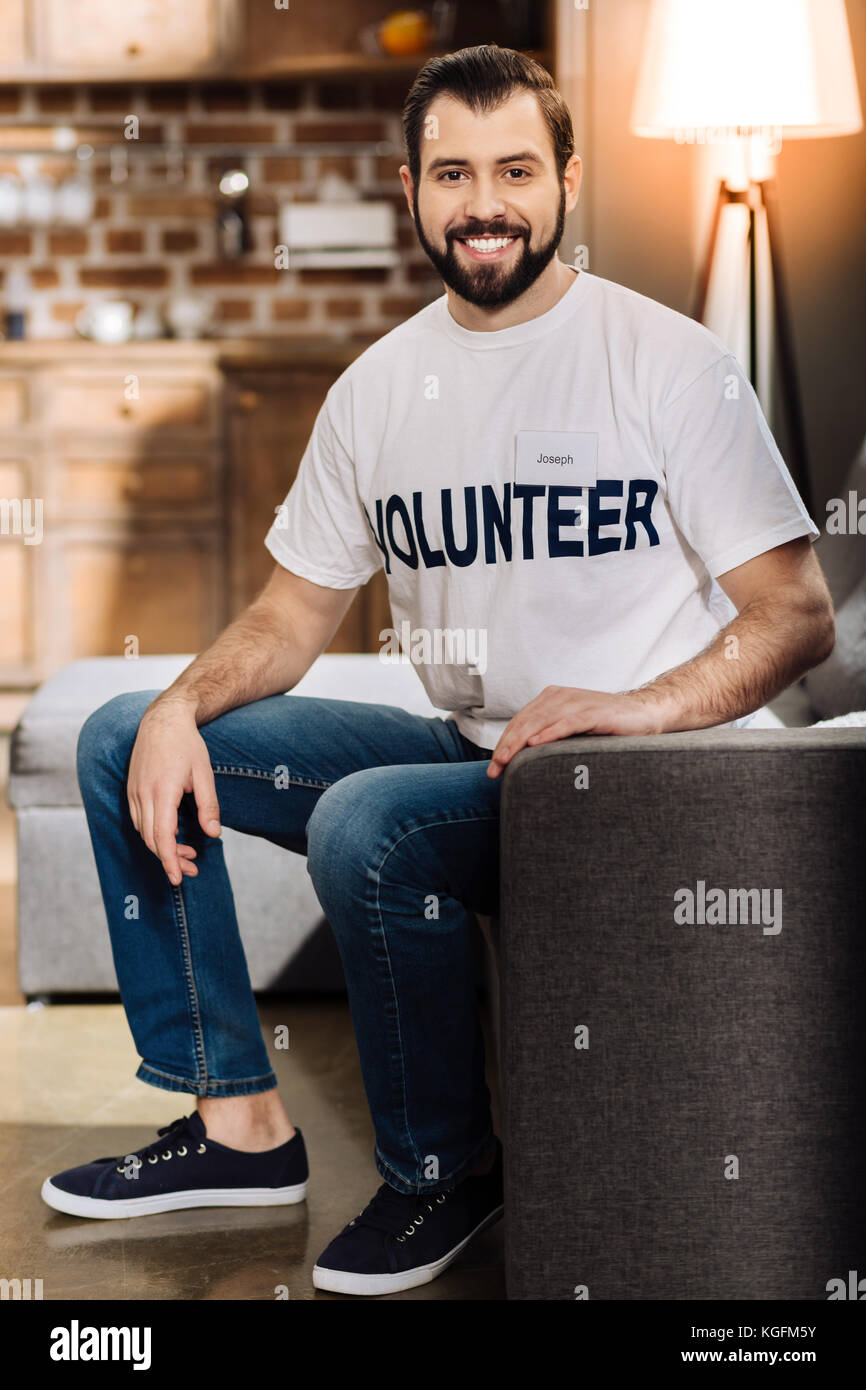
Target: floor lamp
x,y
746,75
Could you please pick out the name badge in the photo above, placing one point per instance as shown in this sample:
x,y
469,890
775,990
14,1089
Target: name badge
x,y
556,458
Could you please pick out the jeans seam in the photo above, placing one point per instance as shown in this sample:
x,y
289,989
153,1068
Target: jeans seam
x,y
459,820
211,1080
192,993
226,769
384,938
202,1078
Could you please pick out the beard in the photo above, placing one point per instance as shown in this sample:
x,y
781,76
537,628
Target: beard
x,y
495,284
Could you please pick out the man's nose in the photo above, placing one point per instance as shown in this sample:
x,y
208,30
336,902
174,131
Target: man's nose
x,y
484,204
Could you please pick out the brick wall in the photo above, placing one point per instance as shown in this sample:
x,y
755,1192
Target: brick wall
x,y
153,234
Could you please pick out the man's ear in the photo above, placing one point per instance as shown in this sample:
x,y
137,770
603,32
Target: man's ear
x,y
408,187
571,178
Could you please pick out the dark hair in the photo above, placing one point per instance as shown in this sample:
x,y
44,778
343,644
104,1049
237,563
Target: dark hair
x,y
482,78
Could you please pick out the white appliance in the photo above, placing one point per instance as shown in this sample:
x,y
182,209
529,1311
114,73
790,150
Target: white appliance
x,y
339,234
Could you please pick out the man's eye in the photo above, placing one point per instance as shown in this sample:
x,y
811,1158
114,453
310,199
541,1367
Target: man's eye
x,y
451,175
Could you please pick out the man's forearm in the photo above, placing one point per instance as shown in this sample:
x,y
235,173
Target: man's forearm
x,y
768,646
255,656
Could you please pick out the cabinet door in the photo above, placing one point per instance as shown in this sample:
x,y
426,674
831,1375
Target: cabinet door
x,y
129,404
113,487
14,401
149,593
155,37
271,416
270,419
13,37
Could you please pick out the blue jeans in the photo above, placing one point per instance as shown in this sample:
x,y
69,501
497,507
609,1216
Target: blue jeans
x,y
400,826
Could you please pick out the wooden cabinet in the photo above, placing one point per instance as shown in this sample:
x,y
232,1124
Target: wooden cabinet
x,y
122,451
137,36
122,40
13,34
118,593
128,402
270,415
156,469
99,39
135,470
108,487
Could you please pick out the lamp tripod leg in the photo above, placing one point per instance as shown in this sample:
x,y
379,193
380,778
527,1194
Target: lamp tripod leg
x,y
785,338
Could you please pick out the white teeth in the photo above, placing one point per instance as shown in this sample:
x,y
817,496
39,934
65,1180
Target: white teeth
x,y
488,243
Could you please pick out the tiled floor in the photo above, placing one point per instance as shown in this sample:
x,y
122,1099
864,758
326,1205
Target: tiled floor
x,y
68,1094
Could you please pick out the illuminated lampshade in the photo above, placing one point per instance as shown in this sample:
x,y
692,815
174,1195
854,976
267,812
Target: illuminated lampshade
x,y
749,63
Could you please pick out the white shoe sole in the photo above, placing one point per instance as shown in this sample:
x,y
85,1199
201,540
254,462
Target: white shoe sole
x,y
103,1208
345,1281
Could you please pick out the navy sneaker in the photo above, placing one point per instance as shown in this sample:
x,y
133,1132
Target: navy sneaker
x,y
181,1168
400,1241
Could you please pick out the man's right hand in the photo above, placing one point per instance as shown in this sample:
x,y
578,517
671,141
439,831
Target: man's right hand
x,y
170,757
265,650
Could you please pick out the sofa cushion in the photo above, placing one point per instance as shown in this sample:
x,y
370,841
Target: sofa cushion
x,y
855,720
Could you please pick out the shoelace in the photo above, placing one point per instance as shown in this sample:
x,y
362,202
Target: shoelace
x,y
151,1152
389,1210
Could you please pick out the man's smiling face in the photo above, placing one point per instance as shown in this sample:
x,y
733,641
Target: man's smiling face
x,y
489,207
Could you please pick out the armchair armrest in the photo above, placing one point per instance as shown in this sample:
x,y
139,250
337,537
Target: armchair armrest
x,y
664,1025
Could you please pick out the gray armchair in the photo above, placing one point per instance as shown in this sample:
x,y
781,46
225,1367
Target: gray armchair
x,y
685,1101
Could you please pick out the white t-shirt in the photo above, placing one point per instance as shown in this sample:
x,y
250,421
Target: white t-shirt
x,y
552,502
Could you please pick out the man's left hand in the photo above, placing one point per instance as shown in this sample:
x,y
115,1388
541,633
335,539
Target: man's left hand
x,y
560,711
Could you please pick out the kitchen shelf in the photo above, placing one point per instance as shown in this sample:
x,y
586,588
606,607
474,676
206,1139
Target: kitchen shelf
x,y
349,65
163,147
299,68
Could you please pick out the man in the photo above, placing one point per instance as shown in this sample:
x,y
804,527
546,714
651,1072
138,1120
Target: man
x,y
573,490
